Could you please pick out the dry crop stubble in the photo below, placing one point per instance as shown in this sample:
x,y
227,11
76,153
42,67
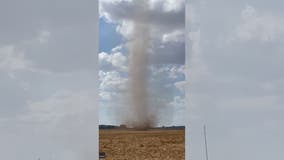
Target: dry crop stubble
x,y
156,144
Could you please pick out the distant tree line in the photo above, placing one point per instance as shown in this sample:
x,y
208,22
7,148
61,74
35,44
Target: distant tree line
x,y
107,127
123,126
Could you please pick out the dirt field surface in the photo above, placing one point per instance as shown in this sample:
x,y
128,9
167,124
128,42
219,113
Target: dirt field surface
x,y
156,144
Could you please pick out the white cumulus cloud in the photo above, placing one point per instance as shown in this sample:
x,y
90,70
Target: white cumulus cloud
x,y
114,60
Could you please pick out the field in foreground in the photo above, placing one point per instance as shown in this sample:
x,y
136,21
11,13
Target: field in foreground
x,y
155,144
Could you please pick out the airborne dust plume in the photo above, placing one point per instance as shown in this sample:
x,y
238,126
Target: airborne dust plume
x,y
141,116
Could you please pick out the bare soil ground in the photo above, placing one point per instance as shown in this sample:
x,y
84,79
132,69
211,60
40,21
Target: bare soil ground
x,y
155,144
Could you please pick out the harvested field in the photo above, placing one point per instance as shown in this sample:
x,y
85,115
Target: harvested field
x,y
155,144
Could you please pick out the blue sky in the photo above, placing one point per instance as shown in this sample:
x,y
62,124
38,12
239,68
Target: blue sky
x,y
108,37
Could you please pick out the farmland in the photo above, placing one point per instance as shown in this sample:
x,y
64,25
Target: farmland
x,y
154,144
